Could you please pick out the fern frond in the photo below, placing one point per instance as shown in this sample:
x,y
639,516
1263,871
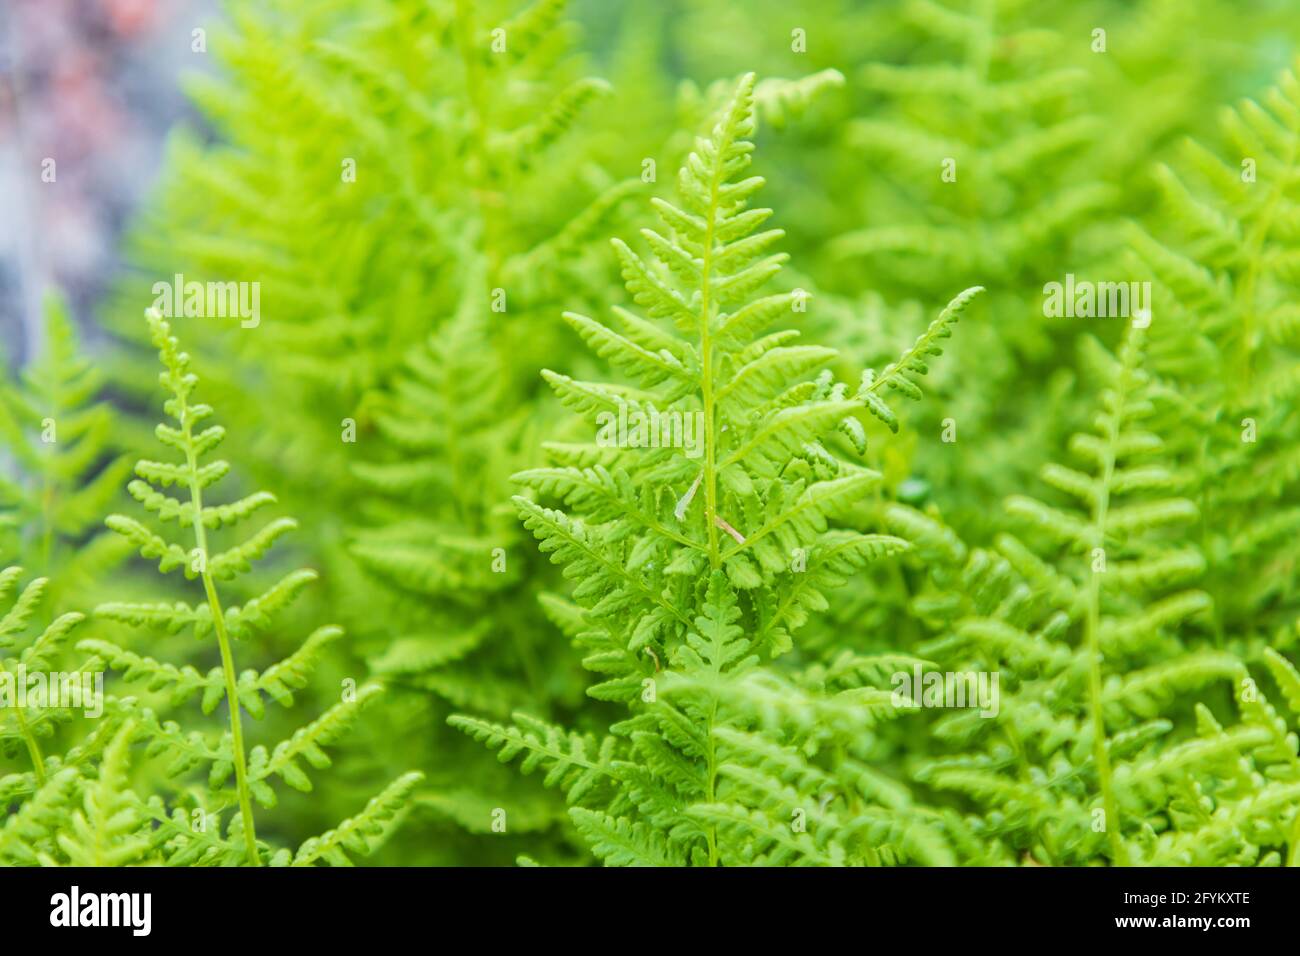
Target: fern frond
x,y
364,832
186,750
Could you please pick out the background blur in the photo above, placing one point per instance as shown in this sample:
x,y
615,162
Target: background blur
x,y
96,85
92,84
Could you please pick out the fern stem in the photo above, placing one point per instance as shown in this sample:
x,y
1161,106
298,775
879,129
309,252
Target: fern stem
x,y
236,730
47,521
223,641
33,747
710,474
710,452
1119,854
710,488
47,484
706,375
711,785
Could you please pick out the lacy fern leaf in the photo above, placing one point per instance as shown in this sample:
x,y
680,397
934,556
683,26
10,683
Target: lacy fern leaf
x,y
698,532
190,439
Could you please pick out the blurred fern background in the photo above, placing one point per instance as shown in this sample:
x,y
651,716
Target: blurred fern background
x,y
906,463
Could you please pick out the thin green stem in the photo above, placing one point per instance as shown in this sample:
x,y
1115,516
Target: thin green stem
x,y
54,405
223,641
1119,853
236,730
706,376
711,784
710,452
33,748
47,519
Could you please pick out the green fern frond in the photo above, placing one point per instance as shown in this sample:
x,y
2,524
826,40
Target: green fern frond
x,y
363,833
186,750
698,532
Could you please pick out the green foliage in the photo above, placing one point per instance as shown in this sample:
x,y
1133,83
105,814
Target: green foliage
x,y
1087,756
65,470
221,755
41,689
1225,278
440,142
427,259
704,609
696,559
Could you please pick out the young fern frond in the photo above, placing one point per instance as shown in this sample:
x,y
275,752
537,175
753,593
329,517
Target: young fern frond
x,y
191,440
747,407
29,833
107,829
361,834
900,376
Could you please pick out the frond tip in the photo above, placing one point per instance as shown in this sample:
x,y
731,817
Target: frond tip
x,y
900,376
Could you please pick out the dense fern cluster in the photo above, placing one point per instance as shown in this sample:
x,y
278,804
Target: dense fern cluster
x,y
1082,627
672,551
1222,251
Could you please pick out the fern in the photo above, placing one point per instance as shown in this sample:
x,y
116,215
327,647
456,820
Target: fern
x,y
1225,289
44,689
65,471
106,829
430,153
692,572
746,539
63,749
477,189
253,770
1082,627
